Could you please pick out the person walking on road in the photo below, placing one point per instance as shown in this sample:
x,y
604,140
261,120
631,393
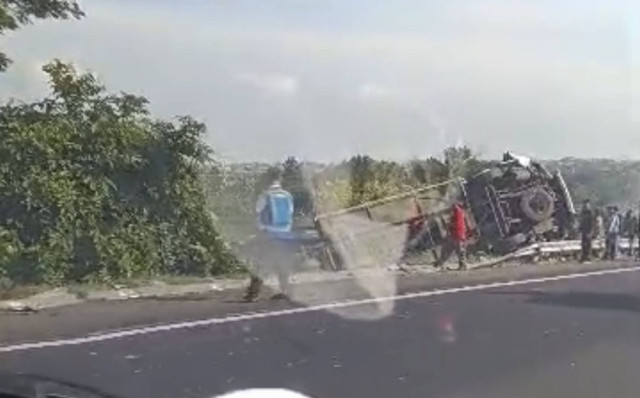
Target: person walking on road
x,y
457,239
586,231
613,229
274,250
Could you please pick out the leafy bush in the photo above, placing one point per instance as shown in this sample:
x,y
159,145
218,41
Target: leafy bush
x,y
603,181
92,187
233,189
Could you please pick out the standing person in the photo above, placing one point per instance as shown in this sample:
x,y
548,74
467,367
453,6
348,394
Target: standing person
x,y
457,238
417,232
586,230
613,229
598,229
274,249
633,233
415,224
638,235
628,228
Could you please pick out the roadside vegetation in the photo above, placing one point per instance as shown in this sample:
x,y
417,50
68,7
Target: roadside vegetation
x,y
603,181
95,189
318,187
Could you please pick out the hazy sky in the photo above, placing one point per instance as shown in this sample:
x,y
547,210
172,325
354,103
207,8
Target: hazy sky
x,y
394,78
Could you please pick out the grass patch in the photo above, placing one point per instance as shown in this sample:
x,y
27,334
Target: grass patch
x,y
189,280
179,280
80,291
8,291
21,292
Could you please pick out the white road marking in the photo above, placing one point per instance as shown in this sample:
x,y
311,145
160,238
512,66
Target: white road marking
x,y
321,307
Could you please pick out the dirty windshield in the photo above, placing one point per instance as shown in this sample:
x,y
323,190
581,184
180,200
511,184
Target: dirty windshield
x,y
319,198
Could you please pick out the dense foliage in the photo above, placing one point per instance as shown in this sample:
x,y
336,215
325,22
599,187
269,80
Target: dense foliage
x,y
603,181
232,190
92,187
294,180
320,187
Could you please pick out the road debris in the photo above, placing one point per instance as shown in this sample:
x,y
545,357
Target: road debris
x,y
17,307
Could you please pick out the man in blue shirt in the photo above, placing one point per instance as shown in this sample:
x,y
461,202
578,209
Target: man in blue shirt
x,y
275,210
274,250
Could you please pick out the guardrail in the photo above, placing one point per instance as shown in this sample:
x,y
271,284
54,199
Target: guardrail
x,y
550,248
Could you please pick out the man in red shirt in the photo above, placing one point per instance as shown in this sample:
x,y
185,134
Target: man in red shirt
x,y
457,238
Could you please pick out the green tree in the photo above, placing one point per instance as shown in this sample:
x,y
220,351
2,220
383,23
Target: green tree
x,y
266,178
437,170
231,189
294,182
603,181
419,172
457,160
361,167
17,13
92,187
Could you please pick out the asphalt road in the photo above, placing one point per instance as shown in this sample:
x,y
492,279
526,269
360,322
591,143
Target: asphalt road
x,y
576,337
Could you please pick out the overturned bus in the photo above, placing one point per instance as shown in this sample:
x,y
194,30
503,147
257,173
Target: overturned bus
x,y
515,202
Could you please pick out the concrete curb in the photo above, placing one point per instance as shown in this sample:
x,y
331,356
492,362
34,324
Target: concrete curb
x,y
157,289
62,297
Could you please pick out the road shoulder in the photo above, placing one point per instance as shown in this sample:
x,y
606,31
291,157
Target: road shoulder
x,y
100,316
